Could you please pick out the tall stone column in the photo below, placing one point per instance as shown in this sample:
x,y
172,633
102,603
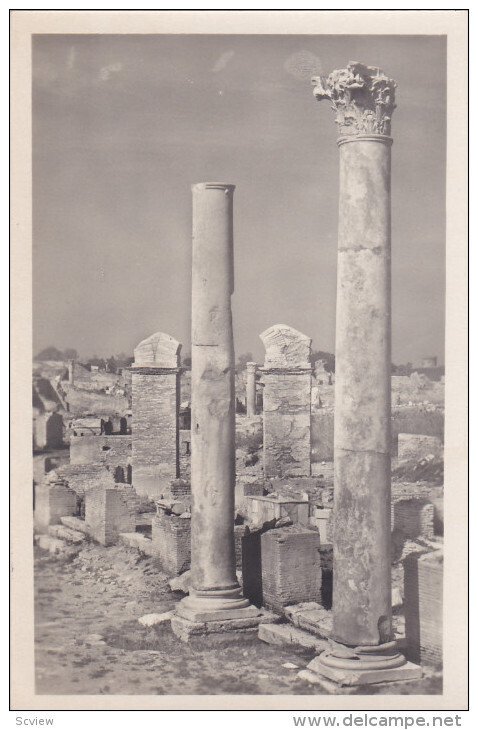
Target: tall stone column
x,y
214,595
251,369
363,649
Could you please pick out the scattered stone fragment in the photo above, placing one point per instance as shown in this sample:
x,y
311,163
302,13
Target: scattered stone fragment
x,y
152,619
290,665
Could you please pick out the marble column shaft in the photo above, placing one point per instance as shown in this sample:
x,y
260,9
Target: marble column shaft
x,y
214,592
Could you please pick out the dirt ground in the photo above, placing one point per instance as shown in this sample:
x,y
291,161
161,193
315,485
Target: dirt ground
x,y
88,639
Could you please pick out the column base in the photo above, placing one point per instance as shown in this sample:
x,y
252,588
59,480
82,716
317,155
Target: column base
x,y
218,605
352,667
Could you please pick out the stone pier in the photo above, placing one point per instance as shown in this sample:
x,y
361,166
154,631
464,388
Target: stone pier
x,y
363,649
251,369
287,378
215,602
155,433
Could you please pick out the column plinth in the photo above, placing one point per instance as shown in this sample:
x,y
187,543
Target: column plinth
x,y
362,648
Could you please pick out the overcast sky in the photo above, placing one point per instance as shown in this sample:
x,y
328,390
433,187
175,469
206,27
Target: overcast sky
x,y
123,125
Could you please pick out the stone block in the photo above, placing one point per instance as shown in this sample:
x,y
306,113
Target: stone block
x,y
287,635
266,509
136,540
224,630
171,540
110,510
423,607
290,567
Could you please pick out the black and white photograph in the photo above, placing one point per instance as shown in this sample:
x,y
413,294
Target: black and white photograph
x,y
238,462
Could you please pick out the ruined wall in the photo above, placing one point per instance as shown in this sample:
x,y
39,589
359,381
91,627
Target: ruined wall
x,y
287,378
109,511
53,501
155,404
48,431
112,451
82,477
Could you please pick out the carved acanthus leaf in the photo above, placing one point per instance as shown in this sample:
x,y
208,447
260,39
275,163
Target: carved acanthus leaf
x,y
362,96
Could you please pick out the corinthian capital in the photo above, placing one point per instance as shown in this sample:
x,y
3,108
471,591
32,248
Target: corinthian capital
x,y
362,96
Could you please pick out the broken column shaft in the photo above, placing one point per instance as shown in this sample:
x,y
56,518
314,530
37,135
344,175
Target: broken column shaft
x,y
363,641
215,592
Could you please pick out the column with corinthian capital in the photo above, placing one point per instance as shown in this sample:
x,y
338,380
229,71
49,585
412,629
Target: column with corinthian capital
x,y
362,647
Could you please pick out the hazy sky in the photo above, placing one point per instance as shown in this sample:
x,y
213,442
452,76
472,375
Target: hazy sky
x,y
123,125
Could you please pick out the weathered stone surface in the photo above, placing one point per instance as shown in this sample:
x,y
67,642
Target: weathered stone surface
x,y
290,567
153,619
286,402
362,675
110,511
363,98
417,446
286,347
159,351
155,438
214,586
53,500
423,607
311,617
136,540
65,533
287,635
171,542
413,518
226,630
261,509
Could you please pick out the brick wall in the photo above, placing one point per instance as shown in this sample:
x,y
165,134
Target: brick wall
x,y
423,607
171,538
109,511
413,518
290,567
155,456
53,501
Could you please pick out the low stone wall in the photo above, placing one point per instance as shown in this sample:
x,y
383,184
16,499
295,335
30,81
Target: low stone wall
x,y
112,451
